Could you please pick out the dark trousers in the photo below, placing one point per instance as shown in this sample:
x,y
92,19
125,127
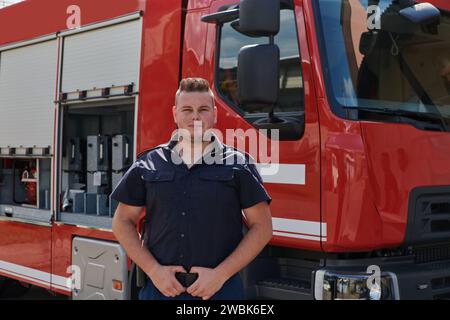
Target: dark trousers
x,y
233,289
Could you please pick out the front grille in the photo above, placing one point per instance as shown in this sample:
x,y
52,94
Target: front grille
x,y
432,253
444,296
428,215
440,283
440,207
440,226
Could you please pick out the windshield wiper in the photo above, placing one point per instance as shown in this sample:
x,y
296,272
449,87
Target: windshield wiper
x,y
427,117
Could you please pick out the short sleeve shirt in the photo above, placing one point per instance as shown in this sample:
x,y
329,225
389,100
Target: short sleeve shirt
x,y
193,215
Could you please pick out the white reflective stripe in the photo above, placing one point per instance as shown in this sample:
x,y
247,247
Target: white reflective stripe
x,y
37,276
282,173
2,271
61,287
62,282
298,236
21,270
300,226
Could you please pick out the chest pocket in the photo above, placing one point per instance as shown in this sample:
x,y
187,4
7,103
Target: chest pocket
x,y
218,186
160,187
222,175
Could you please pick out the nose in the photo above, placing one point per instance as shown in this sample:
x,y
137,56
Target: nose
x,y
195,116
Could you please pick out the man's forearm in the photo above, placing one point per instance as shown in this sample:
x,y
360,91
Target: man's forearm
x,y
247,250
128,237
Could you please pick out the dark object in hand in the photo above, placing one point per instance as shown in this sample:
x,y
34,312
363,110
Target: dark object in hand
x,y
186,279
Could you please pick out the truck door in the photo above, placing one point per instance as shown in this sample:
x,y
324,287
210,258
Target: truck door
x,y
28,74
295,187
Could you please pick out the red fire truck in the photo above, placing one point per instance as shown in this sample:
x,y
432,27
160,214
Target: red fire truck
x,y
359,91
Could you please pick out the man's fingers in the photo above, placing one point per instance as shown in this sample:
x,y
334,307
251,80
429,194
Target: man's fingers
x,y
194,291
195,270
168,294
178,269
178,287
173,292
193,287
198,292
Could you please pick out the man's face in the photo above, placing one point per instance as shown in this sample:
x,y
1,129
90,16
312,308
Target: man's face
x,y
195,106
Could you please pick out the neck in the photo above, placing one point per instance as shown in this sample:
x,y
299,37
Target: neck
x,y
192,151
194,144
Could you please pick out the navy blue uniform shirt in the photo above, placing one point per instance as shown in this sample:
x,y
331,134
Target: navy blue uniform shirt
x,y
194,215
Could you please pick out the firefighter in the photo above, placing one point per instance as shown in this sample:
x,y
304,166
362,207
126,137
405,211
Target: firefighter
x,y
195,246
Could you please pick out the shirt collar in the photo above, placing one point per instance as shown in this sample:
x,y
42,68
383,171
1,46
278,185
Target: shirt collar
x,y
213,149
215,144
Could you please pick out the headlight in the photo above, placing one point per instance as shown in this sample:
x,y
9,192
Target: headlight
x,y
337,285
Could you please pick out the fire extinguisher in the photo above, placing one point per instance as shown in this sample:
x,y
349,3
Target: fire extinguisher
x,y
29,179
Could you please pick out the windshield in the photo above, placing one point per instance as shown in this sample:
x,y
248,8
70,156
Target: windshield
x,y
375,58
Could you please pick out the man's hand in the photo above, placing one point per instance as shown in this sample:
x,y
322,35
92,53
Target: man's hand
x,y
163,277
209,281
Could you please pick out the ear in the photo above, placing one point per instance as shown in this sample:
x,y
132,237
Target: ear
x,y
174,114
215,115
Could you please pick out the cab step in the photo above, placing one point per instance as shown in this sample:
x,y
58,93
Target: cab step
x,y
284,289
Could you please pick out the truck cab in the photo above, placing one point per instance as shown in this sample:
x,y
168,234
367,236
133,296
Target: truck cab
x,y
363,105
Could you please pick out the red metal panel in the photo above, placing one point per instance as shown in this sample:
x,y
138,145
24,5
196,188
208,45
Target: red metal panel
x,y
198,4
401,158
348,207
195,40
437,3
34,18
368,170
159,72
26,248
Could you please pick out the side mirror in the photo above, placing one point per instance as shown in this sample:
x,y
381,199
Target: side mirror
x,y
258,74
422,13
259,17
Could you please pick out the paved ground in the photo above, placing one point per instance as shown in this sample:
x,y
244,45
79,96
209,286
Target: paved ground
x,y
13,291
37,293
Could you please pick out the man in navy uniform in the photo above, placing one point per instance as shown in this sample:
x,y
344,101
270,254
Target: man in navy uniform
x,y
193,208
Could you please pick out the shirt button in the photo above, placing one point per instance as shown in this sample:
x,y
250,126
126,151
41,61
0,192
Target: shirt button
x,y
183,214
182,235
181,256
